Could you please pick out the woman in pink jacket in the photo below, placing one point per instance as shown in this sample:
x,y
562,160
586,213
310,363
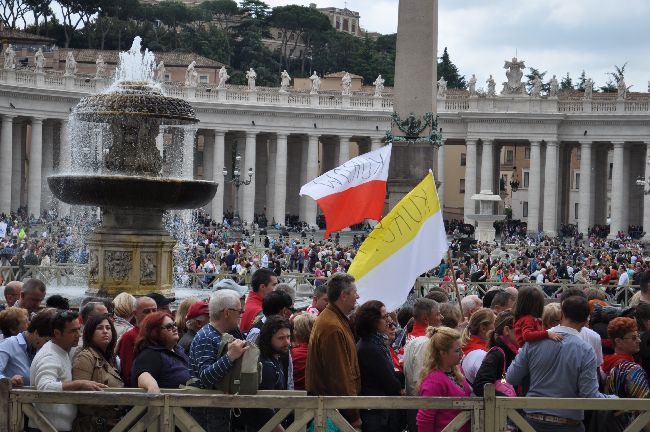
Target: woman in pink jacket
x,y
441,377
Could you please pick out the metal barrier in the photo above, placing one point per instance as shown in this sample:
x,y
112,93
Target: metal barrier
x,y
166,411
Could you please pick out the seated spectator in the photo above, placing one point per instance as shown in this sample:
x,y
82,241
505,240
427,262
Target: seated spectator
x,y
378,377
197,316
625,377
441,377
502,349
17,352
181,314
302,325
475,341
51,370
96,362
13,321
274,341
57,301
124,304
159,361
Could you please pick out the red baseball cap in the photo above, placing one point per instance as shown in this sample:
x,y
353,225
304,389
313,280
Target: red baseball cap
x,y
198,308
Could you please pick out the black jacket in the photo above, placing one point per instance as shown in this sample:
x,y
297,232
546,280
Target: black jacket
x,y
378,376
492,368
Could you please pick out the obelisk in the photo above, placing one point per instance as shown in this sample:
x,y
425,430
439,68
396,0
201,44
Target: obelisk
x,y
415,91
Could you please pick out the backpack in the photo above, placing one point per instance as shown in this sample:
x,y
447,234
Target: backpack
x,y
246,374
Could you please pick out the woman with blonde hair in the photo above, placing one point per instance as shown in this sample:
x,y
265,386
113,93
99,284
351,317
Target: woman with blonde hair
x,y
441,377
302,325
474,341
181,312
124,305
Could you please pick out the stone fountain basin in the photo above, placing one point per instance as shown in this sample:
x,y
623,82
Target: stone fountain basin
x,y
124,191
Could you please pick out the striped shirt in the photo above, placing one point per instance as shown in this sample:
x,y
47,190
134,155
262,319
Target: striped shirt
x,y
205,365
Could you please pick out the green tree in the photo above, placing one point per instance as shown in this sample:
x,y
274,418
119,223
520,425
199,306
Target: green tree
x,y
255,9
582,79
611,86
11,11
566,83
531,76
447,69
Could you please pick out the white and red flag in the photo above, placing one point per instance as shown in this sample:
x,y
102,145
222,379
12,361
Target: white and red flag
x,y
352,192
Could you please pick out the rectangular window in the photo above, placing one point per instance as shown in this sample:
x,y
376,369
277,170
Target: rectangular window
x,y
354,28
338,23
525,209
168,77
576,210
462,185
346,24
510,156
576,182
463,159
526,179
526,153
203,79
578,153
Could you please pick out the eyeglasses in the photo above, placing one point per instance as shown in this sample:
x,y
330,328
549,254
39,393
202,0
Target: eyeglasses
x,y
169,326
240,311
634,337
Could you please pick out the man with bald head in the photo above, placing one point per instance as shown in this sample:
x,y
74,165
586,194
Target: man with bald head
x,y
12,292
143,307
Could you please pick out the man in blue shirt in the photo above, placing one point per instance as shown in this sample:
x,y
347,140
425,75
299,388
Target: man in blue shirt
x,y
565,369
17,352
206,365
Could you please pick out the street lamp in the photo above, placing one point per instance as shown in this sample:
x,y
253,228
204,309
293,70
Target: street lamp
x,y
237,181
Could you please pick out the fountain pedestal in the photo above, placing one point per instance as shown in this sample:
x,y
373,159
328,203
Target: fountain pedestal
x,y
485,231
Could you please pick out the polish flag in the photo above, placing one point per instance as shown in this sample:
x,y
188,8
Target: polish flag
x,y
353,191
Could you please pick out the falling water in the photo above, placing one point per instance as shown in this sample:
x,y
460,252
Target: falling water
x,y
136,65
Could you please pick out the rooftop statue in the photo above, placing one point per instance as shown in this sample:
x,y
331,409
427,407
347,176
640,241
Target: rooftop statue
x,y
251,76
442,88
514,73
315,83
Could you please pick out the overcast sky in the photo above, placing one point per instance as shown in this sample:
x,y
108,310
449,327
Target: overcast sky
x,y
557,36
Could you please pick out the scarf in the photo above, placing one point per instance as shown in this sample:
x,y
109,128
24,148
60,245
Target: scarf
x,y
510,344
381,341
611,361
474,343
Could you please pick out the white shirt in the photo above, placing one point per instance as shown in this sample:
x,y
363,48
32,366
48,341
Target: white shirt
x,y
624,279
50,368
472,363
413,363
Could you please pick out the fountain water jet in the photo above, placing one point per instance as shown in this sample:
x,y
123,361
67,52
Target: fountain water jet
x,y
120,167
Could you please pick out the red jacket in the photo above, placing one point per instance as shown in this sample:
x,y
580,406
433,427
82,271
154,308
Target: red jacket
x,y
125,348
299,358
529,329
252,308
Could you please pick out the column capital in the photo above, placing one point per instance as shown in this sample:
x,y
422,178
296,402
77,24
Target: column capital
x,y
471,141
250,133
585,143
37,119
618,143
534,143
281,134
551,143
487,141
219,132
345,137
313,135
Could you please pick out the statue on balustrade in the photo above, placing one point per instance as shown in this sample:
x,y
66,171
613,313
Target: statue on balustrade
x,y
191,75
315,83
471,85
621,88
346,84
160,72
589,87
285,81
10,58
379,86
536,91
223,77
514,73
100,67
251,76
491,87
442,88
39,61
70,65
555,87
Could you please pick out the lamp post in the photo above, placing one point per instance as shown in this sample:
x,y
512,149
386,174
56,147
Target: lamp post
x,y
237,181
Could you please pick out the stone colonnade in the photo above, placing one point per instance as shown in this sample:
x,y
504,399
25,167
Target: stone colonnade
x,y
548,186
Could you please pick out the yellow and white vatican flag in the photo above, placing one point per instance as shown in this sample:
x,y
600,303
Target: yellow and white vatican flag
x,y
408,241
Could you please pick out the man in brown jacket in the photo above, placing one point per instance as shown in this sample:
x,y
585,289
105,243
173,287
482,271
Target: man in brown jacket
x,y
332,365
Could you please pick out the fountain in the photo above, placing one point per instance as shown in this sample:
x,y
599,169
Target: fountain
x,y
131,157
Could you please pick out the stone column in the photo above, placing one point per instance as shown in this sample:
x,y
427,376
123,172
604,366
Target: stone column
x,y
646,198
441,175
550,189
375,143
188,152
344,149
48,165
534,187
247,207
270,187
618,183
218,163
6,148
585,219
280,193
17,163
35,166
312,173
302,203
470,179
487,168
65,161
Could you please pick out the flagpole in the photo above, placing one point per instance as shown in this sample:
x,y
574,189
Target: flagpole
x,y
453,278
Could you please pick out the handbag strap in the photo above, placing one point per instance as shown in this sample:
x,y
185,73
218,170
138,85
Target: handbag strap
x,y
504,358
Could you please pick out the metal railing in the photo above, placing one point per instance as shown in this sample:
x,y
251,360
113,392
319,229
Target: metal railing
x,y
167,411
